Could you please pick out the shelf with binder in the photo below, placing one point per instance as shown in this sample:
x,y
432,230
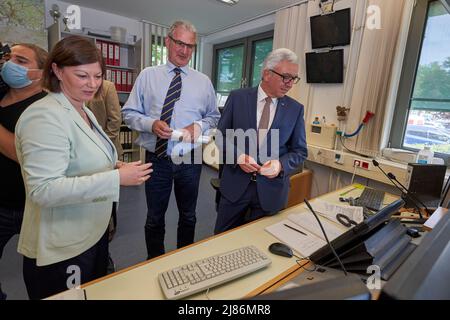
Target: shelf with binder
x,y
123,60
131,151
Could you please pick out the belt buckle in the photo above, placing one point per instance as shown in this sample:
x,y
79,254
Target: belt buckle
x,y
253,177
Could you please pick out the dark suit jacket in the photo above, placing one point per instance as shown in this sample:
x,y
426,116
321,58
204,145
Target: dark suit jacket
x,y
240,113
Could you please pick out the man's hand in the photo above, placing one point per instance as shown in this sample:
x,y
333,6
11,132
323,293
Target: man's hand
x,y
161,129
271,169
191,133
119,164
248,164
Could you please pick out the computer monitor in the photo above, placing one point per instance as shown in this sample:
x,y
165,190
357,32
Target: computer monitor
x,y
356,234
425,274
330,30
445,197
425,182
325,67
446,4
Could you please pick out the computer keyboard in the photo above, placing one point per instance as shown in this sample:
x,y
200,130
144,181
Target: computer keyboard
x,y
206,273
371,199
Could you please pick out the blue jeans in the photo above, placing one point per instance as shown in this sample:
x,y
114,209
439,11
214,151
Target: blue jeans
x,y
10,224
185,178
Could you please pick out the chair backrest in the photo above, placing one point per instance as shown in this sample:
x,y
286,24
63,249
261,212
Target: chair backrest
x,y
300,188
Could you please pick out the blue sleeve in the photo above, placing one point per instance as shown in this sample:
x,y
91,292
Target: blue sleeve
x,y
298,151
212,116
134,111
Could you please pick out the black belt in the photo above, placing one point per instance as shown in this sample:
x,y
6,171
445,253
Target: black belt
x,y
253,177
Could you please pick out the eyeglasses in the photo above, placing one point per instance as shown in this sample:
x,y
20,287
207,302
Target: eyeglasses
x,y
183,44
286,78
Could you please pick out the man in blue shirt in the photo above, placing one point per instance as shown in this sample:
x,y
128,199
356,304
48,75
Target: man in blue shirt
x,y
166,98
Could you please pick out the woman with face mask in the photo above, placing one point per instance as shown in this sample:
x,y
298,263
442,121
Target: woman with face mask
x,y
22,73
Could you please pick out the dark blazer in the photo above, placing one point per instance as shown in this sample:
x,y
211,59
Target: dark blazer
x,y
240,113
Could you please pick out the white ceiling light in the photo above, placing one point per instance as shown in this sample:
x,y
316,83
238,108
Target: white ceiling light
x,y
229,2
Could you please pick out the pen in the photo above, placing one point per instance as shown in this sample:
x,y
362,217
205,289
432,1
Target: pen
x,y
286,225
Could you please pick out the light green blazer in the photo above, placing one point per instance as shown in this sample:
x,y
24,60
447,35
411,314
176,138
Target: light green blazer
x,y
70,181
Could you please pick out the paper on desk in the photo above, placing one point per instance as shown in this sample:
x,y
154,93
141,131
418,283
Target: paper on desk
x,y
304,245
307,220
330,210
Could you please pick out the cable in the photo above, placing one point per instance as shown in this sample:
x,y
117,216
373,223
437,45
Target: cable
x,y
354,172
394,181
326,237
410,194
303,266
351,151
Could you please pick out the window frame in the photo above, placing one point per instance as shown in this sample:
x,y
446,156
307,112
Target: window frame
x,y
416,37
247,67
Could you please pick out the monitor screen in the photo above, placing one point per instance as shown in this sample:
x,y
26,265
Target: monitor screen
x,y
445,197
357,234
330,30
425,274
325,67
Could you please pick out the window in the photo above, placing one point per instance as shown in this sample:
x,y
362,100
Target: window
x,y
422,114
237,64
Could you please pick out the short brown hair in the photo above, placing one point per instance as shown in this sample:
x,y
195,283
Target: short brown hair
x,y
69,52
41,54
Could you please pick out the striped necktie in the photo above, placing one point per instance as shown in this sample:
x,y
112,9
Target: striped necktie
x,y
173,95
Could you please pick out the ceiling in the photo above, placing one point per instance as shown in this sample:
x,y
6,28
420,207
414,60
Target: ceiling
x,y
207,15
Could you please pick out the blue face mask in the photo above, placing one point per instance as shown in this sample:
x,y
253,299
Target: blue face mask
x,y
15,75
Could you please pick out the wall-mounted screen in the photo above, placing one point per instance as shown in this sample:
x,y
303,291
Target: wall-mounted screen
x,y
330,30
325,67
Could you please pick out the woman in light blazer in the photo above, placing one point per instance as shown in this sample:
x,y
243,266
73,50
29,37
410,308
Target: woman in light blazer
x,y
71,175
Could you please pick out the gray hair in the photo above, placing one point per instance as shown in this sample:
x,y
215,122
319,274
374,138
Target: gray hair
x,y
183,24
278,55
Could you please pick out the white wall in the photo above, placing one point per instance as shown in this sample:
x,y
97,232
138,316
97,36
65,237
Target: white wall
x,y
327,180
240,31
323,97
97,20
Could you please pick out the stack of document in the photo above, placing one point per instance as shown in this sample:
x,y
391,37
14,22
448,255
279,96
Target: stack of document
x,y
302,232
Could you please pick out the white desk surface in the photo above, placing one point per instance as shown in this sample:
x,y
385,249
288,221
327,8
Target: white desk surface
x,y
141,281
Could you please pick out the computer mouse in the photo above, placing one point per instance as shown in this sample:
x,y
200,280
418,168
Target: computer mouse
x,y
413,232
281,249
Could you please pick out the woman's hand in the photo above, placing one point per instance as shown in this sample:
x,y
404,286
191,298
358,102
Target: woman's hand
x,y
134,173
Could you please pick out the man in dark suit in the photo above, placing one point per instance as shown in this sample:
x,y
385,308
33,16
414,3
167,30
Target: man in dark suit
x,y
261,138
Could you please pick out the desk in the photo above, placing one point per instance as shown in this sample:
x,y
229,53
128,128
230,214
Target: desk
x,y
141,281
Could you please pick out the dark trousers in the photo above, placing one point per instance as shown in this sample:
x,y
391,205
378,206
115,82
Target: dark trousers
x,y
185,178
42,282
10,224
234,214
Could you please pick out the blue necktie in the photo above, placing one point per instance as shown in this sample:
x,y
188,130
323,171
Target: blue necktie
x,y
173,95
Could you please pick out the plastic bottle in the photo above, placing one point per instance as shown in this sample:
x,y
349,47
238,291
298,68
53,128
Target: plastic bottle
x,y
425,156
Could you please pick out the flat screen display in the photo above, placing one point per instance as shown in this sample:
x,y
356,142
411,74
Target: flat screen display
x,y
325,67
330,30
